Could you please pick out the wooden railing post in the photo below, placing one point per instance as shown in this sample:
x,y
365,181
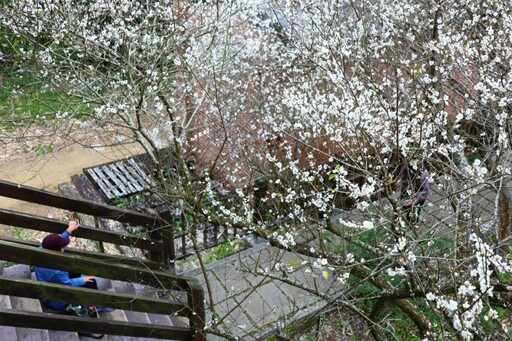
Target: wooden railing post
x,y
198,317
260,193
98,226
165,233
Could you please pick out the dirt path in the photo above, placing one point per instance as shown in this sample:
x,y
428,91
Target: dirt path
x,y
25,166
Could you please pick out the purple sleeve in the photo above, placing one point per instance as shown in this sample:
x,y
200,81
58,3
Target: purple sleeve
x,y
424,191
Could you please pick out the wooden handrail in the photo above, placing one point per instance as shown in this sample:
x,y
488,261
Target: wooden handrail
x,y
15,252
62,261
30,319
113,259
196,304
55,226
65,293
160,251
75,262
37,196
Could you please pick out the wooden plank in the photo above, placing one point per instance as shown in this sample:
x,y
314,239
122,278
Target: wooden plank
x,y
34,290
120,178
113,259
30,194
121,173
119,187
54,226
142,175
57,260
86,325
128,177
86,188
138,179
198,319
109,183
98,179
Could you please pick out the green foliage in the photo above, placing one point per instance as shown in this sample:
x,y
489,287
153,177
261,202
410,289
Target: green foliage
x,y
23,100
4,95
225,250
491,325
371,237
219,252
19,233
505,277
396,324
125,202
474,156
298,327
11,46
139,232
42,149
223,324
186,219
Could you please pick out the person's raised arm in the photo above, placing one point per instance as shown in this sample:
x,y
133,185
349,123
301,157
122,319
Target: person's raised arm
x,y
73,225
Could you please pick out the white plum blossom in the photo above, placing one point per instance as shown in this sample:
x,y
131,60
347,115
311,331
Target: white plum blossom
x,y
448,304
343,278
400,245
320,263
328,102
398,271
411,257
430,296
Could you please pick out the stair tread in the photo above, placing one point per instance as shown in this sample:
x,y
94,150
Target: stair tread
x,y
132,316
61,335
29,304
7,332
31,334
21,271
26,304
5,302
127,288
143,290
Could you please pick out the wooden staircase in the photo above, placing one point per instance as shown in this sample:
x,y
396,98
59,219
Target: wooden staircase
x,y
22,271
174,311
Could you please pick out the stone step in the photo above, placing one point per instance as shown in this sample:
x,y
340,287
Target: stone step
x,y
143,290
127,288
134,316
22,271
116,315
6,332
61,335
58,335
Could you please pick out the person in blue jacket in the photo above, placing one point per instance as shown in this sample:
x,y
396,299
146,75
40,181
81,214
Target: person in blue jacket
x,y
58,242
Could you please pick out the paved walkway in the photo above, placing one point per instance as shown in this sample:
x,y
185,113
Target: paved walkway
x,y
254,306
